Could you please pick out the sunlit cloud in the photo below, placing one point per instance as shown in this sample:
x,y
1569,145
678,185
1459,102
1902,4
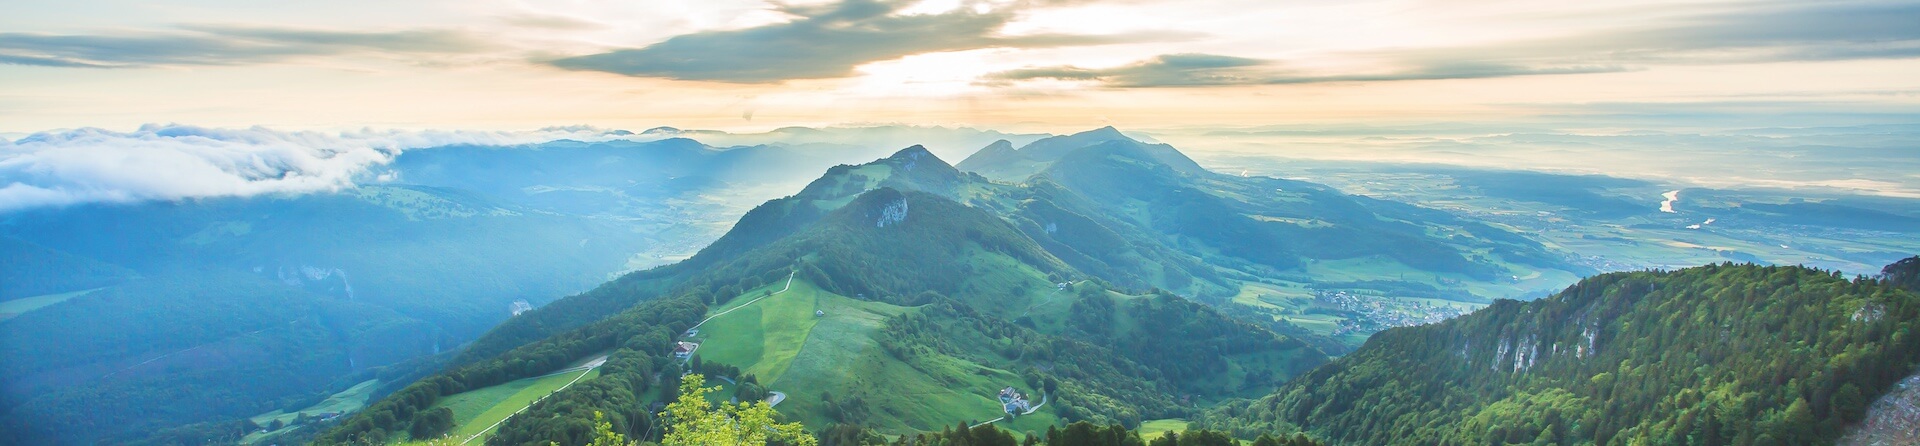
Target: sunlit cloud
x,y
827,41
223,45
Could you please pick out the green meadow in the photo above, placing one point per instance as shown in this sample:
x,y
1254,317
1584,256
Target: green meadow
x,y
812,358
476,411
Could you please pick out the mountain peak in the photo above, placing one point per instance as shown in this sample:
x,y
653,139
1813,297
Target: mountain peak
x,y
913,152
1162,154
917,155
1104,132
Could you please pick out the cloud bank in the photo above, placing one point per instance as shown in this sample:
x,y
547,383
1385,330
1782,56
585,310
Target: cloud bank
x,y
173,162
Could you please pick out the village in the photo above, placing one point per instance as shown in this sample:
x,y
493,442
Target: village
x,y
1371,314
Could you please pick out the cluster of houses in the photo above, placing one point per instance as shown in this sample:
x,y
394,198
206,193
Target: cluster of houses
x,y
1013,402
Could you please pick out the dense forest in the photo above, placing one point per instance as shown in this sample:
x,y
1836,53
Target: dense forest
x,y
1718,354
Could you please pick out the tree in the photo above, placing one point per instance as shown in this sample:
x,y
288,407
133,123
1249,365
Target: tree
x,y
432,423
1849,403
692,420
603,434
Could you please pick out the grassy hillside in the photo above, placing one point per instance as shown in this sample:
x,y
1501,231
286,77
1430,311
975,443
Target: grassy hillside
x,y
834,369
477,412
1719,354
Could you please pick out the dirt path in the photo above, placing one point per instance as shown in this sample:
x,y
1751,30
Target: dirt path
x,y
751,302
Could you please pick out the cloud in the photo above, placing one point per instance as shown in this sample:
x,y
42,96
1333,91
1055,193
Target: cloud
x,y
172,162
222,45
1777,34
551,22
1200,70
1750,34
828,41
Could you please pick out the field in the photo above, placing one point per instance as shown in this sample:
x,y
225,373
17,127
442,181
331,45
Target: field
x,y
346,401
764,338
16,307
476,411
812,358
1153,429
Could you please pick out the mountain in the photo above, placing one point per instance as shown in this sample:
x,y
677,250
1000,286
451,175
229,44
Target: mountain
x,y
1718,354
1000,161
891,295
1115,210
765,224
1304,257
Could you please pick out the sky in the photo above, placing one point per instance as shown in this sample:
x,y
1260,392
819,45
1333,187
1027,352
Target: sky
x,y
133,100
1015,65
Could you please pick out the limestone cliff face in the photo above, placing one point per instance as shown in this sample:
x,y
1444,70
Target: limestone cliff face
x,y
1893,420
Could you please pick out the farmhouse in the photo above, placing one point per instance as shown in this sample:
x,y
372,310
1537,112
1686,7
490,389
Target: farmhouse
x,y
684,350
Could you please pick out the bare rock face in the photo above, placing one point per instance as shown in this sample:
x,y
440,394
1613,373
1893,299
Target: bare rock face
x,y
1893,420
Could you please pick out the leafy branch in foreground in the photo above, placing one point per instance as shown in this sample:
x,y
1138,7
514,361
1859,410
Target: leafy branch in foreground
x,y
692,420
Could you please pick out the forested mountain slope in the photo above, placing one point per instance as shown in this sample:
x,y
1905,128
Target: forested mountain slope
x,y
1718,354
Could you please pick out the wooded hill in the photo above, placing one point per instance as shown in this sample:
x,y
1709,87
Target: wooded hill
x,y
1718,354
